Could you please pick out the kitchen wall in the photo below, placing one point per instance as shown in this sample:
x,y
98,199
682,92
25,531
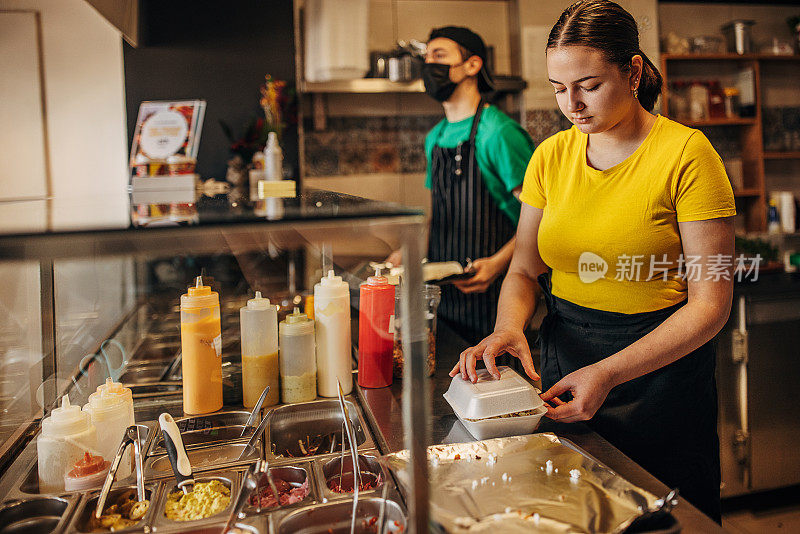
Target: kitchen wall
x,y
218,51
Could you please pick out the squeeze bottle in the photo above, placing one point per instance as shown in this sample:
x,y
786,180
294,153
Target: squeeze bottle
x,y
201,345
273,158
66,436
332,316
260,366
111,412
298,358
375,343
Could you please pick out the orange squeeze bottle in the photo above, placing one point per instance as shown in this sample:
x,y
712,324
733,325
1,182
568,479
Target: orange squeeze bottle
x,y
201,345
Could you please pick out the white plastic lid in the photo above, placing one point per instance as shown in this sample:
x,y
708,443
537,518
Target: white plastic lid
x,y
66,420
331,286
109,396
489,397
258,303
296,324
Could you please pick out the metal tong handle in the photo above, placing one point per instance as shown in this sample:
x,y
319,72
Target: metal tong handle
x,y
127,439
251,444
256,410
248,485
353,452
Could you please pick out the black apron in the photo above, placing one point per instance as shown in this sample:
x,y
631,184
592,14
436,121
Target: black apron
x,y
666,420
466,223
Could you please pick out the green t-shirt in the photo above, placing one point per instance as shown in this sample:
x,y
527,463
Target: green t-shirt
x,y
503,150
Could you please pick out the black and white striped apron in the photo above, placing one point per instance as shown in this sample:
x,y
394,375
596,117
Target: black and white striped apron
x,y
466,223
666,420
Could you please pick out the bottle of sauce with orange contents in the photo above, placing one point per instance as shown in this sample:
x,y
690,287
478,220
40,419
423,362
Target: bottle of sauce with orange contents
x,y
201,347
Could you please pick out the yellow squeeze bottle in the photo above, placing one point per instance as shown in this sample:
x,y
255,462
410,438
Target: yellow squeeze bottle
x,y
201,346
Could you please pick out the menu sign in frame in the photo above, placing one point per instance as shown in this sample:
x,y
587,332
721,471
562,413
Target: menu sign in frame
x,y
167,128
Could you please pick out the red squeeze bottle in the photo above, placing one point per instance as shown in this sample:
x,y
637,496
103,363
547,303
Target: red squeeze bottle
x,y
375,342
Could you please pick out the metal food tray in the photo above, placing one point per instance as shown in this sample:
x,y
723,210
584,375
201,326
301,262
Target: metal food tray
x,y
317,510
296,421
534,482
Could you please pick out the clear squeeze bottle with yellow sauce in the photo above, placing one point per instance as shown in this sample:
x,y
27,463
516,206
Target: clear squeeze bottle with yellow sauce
x,y
260,365
201,346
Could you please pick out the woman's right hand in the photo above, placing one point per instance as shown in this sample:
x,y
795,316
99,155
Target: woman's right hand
x,y
498,343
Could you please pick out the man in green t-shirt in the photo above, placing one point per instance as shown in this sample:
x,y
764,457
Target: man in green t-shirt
x,y
477,158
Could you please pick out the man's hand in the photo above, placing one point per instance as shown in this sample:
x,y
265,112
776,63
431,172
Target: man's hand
x,y
589,387
486,271
395,258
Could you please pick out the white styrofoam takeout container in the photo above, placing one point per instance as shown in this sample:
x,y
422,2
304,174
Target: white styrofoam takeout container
x,y
477,405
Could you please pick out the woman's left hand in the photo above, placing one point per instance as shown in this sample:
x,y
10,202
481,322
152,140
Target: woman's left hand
x,y
589,387
486,271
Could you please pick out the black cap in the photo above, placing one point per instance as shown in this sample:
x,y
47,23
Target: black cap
x,y
474,45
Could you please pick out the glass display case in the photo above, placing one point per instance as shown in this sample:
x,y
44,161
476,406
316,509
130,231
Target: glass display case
x,y
82,305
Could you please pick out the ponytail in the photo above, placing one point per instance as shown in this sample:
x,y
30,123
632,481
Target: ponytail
x,y
649,84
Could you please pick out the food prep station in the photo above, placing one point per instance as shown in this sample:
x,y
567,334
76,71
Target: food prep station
x,y
214,443
404,416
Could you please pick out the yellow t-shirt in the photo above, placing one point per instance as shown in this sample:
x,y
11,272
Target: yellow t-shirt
x,y
611,237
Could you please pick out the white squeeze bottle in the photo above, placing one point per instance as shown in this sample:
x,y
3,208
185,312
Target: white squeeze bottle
x,y
273,158
298,358
260,366
66,435
111,412
332,316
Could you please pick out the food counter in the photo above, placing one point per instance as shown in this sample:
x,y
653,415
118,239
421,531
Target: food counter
x,y
147,328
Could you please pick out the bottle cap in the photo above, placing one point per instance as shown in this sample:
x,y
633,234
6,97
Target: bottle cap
x,y
65,420
296,317
377,280
199,296
331,280
109,396
258,303
297,324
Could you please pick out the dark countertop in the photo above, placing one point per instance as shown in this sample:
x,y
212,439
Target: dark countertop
x,y
385,405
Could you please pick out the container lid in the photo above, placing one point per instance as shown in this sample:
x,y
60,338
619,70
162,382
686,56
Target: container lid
x,y
377,280
199,296
109,396
331,286
65,420
258,303
296,324
489,397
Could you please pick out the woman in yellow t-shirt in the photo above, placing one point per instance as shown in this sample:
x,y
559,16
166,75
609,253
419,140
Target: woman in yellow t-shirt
x,y
626,224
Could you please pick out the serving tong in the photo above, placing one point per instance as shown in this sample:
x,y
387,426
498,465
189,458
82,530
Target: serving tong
x,y
131,436
351,437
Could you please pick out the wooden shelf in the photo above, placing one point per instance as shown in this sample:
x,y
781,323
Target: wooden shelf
x,y
503,84
746,193
795,154
729,57
739,121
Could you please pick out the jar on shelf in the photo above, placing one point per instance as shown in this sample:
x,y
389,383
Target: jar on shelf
x,y
432,295
678,102
716,100
698,101
731,102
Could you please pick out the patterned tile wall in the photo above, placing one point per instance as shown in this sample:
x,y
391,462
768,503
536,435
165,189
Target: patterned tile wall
x,y
392,144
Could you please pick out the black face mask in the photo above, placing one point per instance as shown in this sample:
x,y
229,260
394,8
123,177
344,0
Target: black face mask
x,y
438,84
